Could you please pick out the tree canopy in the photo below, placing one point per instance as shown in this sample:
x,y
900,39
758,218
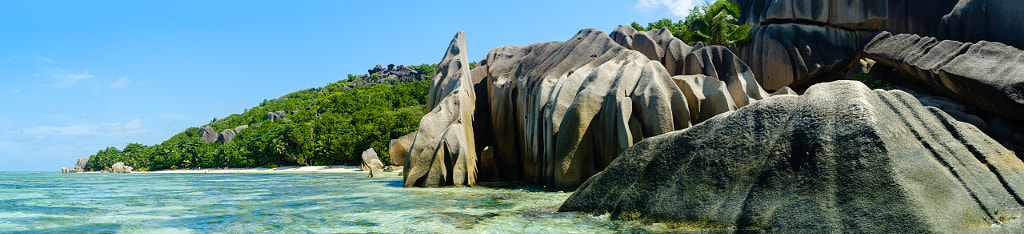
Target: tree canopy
x,y
714,23
329,125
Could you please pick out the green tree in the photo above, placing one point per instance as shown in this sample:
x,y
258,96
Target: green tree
x,y
714,23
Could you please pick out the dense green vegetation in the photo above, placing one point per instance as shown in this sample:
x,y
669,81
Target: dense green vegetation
x,y
715,23
350,121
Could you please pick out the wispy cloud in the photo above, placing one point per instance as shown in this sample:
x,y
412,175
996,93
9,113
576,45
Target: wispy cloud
x,y
60,131
678,8
106,129
45,59
119,127
71,78
122,82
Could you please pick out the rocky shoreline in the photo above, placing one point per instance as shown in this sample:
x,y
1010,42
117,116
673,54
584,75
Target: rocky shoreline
x,y
652,129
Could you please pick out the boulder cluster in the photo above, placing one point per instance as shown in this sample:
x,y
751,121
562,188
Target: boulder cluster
x,y
389,75
555,113
209,135
645,126
79,166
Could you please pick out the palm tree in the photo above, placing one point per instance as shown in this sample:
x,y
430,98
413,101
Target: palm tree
x,y
715,24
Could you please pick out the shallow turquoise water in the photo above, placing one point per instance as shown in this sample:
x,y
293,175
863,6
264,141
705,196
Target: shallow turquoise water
x,y
317,203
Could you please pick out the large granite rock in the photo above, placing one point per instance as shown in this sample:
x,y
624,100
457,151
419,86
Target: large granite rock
x,y
399,148
240,128
444,150
840,158
81,164
847,14
561,111
272,116
208,135
799,55
721,64
120,168
989,75
658,45
371,161
553,114
800,43
916,16
984,20
389,75
225,136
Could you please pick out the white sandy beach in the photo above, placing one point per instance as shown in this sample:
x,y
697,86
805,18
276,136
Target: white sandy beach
x,y
288,169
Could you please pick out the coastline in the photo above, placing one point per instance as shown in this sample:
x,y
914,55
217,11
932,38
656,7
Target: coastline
x,y
286,169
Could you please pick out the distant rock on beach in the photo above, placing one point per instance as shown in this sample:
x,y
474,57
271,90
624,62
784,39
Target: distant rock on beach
x,y
120,168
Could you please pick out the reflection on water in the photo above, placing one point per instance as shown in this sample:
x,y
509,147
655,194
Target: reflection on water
x,y
323,203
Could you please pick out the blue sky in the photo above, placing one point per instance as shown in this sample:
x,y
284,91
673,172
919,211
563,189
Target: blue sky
x,y
79,76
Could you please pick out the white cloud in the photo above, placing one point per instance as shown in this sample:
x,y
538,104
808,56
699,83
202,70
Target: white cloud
x,y
678,8
122,82
71,78
45,59
107,129
59,131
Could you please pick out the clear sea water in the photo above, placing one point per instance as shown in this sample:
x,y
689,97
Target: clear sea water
x,y
50,202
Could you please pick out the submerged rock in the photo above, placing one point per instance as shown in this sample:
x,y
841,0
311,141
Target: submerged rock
x,y
840,158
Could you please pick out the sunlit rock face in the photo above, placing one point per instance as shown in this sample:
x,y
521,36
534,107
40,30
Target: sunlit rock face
x,y
553,114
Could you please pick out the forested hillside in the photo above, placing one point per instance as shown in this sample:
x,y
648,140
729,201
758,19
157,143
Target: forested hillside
x,y
330,125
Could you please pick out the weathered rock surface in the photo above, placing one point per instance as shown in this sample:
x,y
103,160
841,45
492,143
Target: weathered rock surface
x,y
563,110
848,14
272,116
444,150
208,135
558,112
989,75
800,43
225,136
657,45
984,20
81,164
840,158
800,55
916,16
371,161
120,168
240,128
399,148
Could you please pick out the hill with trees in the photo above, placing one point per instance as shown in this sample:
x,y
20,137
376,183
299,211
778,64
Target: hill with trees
x,y
329,125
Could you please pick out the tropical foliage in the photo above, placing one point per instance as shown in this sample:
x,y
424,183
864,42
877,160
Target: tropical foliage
x,y
330,125
714,23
